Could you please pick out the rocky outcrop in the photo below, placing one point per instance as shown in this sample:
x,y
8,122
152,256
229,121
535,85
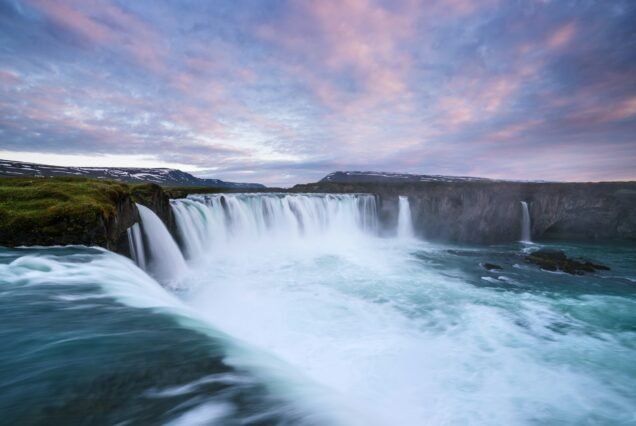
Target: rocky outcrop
x,y
75,211
557,260
486,211
153,197
156,199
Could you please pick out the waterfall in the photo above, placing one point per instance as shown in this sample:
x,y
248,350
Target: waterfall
x,y
204,221
166,261
405,220
136,245
525,223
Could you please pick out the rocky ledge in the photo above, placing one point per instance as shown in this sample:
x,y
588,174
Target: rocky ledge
x,y
483,211
557,260
61,211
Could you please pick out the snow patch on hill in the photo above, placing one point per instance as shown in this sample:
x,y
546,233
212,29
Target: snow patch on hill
x,y
161,176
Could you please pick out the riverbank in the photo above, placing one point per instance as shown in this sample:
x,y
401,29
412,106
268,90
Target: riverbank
x,y
68,211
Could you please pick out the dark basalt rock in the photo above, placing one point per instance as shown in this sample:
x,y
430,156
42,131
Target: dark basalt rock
x,y
61,211
491,267
557,260
482,211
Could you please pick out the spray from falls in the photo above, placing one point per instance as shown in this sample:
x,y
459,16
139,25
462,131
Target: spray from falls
x,y
166,261
405,220
525,223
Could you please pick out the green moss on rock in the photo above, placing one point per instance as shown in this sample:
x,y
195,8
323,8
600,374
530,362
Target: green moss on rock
x,y
46,211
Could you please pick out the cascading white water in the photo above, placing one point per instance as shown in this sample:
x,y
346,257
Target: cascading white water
x,y
166,261
306,279
525,223
325,322
209,220
405,220
136,245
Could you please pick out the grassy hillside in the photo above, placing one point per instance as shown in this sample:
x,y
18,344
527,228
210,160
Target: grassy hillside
x,y
55,207
77,210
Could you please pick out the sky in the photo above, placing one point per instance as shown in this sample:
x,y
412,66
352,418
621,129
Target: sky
x,y
286,91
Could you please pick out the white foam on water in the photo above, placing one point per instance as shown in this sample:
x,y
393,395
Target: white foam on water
x,y
354,329
207,414
386,339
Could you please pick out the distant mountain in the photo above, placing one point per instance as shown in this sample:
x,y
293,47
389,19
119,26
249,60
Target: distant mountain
x,y
381,177
161,176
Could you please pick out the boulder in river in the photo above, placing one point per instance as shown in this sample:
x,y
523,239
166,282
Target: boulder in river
x,y
557,260
491,267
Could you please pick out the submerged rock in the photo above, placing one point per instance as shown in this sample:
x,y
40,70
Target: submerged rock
x,y
491,267
557,260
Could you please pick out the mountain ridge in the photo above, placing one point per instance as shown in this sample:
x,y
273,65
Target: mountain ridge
x,y
159,175
391,177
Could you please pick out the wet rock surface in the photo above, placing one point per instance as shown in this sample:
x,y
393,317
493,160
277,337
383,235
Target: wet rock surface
x,y
557,260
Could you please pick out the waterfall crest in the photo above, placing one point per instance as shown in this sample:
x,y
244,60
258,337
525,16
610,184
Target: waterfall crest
x,y
136,245
166,261
405,220
525,223
206,220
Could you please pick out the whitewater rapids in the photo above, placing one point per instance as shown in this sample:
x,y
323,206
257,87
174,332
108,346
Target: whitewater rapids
x,y
301,310
389,338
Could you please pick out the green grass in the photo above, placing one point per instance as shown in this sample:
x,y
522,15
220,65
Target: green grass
x,y
56,206
69,210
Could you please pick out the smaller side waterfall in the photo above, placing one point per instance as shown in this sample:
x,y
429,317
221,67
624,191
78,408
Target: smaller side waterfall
x,y
525,223
405,220
136,245
166,260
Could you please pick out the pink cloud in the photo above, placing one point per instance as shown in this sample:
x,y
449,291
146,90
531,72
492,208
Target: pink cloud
x,y
69,16
456,111
353,36
624,109
562,36
513,131
81,17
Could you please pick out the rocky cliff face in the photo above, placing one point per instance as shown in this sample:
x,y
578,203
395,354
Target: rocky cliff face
x,y
484,211
90,226
461,210
153,197
63,211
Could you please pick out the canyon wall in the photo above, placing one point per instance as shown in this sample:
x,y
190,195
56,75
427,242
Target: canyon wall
x,y
483,211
